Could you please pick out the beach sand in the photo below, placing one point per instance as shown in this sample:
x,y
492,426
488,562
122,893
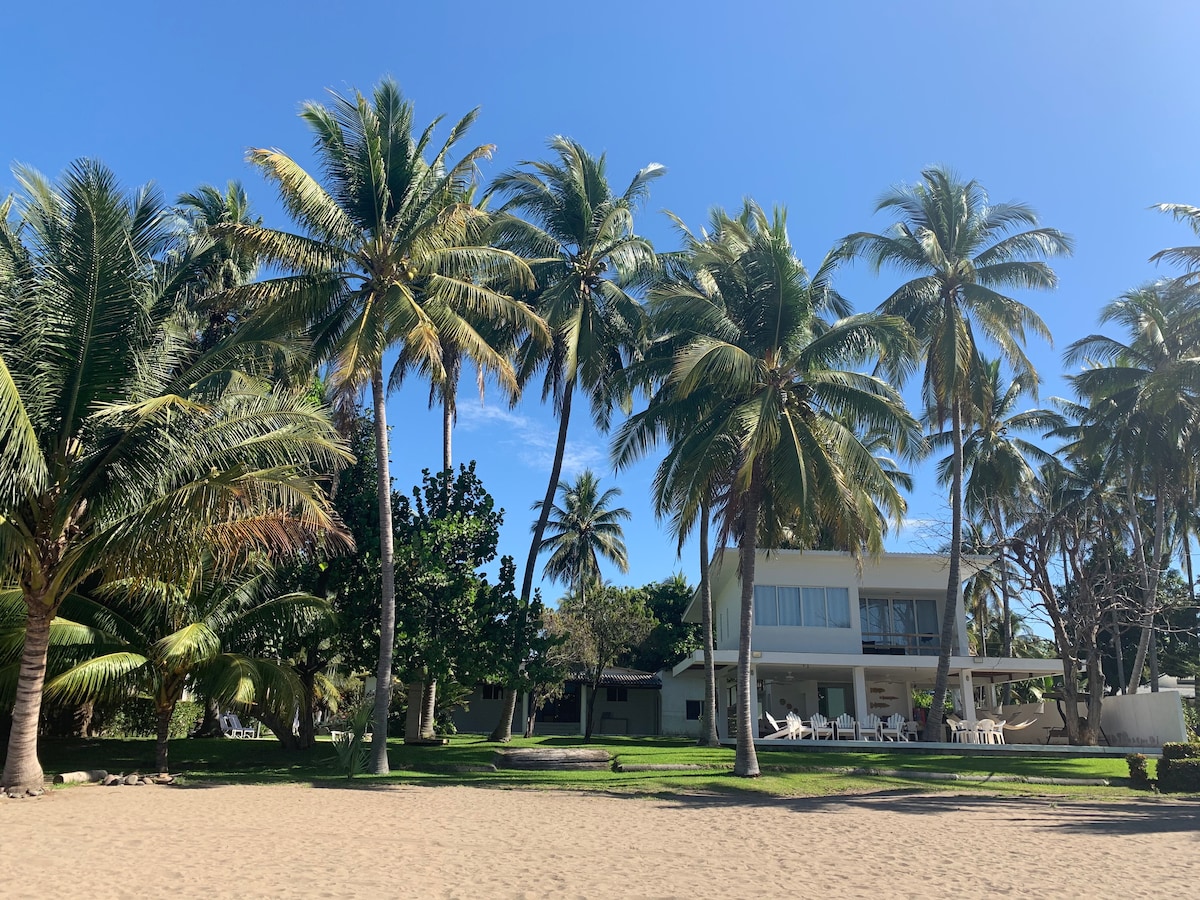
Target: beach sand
x,y
294,841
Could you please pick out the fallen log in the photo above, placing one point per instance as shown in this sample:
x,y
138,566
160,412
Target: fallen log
x,y
88,777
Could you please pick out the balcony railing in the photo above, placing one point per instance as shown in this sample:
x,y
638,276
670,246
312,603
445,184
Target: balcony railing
x,y
894,643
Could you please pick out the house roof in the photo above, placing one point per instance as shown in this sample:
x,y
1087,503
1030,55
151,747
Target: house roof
x,y
619,676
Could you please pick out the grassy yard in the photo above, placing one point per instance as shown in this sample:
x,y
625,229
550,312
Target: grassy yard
x,y
785,774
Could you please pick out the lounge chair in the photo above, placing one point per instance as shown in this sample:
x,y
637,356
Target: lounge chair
x,y
776,728
237,729
894,728
846,726
798,729
870,728
821,727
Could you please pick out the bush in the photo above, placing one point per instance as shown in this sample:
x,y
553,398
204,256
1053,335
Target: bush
x,y
136,717
1139,770
1179,775
1182,750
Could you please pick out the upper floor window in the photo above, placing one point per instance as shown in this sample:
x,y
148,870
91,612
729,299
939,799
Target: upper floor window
x,y
899,623
810,607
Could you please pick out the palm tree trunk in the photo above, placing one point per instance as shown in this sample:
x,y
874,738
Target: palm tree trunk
x,y
593,693
22,771
429,710
746,759
503,730
415,702
933,726
453,367
708,718
1006,635
307,733
1149,570
387,562
162,737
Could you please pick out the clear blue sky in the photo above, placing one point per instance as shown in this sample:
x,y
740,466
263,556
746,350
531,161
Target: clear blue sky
x,y
1086,110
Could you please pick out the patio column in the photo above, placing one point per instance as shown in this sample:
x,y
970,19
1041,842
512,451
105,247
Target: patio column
x,y
862,705
524,710
967,688
991,695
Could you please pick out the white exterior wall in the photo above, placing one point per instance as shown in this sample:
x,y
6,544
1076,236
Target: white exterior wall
x,y
891,575
1143,719
675,693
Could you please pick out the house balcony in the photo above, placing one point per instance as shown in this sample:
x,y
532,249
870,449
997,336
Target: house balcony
x,y
898,643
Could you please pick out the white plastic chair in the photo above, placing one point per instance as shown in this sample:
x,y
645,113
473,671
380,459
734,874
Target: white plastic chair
x,y
821,727
797,729
871,728
846,726
893,729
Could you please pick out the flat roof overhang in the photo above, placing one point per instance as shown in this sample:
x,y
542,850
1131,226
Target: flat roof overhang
x,y
823,666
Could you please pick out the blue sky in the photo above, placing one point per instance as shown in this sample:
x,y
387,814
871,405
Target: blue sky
x,y
1086,110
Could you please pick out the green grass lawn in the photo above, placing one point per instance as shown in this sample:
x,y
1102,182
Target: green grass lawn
x,y
785,774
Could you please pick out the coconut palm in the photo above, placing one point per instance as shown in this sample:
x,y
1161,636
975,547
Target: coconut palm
x,y
127,450
579,235
964,253
1141,411
756,399
583,529
1188,257
159,639
999,466
391,258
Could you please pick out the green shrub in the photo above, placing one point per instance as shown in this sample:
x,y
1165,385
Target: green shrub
x,y
136,717
1182,750
1139,770
1179,775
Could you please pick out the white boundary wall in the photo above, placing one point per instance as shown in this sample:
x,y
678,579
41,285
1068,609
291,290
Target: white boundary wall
x,y
1144,719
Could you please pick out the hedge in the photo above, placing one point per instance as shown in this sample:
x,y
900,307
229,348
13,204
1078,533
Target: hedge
x,y
1179,775
136,717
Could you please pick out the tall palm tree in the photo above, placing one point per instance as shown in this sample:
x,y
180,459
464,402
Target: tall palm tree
x,y
587,259
756,396
998,464
390,258
583,529
163,638
964,253
127,452
1141,411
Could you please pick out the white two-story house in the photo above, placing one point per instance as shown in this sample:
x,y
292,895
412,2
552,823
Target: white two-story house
x,y
833,634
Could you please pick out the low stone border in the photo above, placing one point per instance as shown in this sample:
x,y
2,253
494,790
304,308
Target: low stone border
x,y
956,776
553,758
664,767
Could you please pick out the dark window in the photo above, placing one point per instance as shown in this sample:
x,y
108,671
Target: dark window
x,y
565,708
492,692
693,710
618,694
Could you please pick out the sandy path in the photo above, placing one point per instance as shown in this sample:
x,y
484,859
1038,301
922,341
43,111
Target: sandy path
x,y
294,841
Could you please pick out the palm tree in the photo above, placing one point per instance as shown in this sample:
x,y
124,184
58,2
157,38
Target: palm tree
x,y
162,638
964,252
390,258
587,260
756,396
127,450
997,463
1142,413
582,530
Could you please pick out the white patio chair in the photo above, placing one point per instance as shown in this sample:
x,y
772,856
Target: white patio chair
x,y
893,729
958,731
797,729
237,729
991,732
776,729
871,728
821,727
846,726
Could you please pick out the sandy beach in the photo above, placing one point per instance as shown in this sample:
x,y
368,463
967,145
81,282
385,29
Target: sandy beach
x,y
294,841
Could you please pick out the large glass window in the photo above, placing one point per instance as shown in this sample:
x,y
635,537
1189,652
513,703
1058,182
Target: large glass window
x,y
766,612
898,625
810,607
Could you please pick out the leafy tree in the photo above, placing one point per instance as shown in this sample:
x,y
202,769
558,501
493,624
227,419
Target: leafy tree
x,y
756,402
671,639
128,451
583,529
588,261
610,622
964,252
390,258
445,532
